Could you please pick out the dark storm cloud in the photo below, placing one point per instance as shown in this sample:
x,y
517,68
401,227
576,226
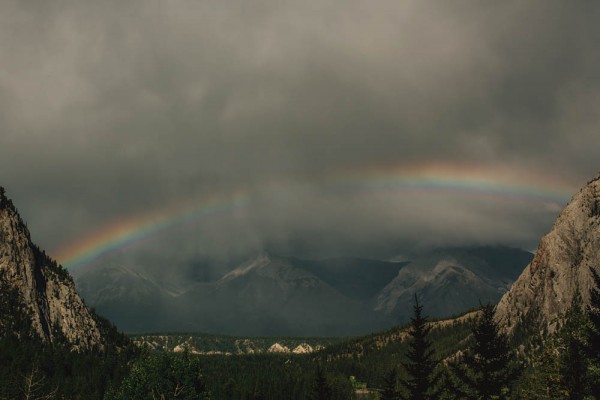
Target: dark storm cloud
x,y
111,108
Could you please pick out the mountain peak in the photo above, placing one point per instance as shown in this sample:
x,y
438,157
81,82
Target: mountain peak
x,y
561,266
261,260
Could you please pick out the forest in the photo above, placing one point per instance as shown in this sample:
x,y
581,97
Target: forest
x,y
467,359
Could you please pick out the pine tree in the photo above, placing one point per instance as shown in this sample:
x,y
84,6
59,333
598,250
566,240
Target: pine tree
x,y
488,368
422,381
593,334
542,380
390,382
572,349
322,389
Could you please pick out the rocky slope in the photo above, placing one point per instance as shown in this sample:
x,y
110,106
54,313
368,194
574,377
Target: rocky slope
x,y
544,290
42,291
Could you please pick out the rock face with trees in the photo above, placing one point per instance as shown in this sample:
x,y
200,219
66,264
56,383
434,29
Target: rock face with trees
x,y
37,292
564,261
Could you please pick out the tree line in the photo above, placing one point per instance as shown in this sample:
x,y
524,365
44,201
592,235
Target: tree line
x,y
468,360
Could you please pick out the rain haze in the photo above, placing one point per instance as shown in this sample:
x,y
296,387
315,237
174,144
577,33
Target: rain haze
x,y
166,131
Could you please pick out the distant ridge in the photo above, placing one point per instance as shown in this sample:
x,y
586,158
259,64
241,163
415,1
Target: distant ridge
x,y
269,294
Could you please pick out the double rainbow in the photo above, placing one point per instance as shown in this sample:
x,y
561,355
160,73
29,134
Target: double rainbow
x,y
424,179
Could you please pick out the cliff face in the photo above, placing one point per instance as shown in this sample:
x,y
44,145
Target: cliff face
x,y
46,293
562,263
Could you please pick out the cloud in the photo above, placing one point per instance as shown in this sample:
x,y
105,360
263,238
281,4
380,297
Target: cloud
x,y
109,109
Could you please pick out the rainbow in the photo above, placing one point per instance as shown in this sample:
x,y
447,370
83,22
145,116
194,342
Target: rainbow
x,y
463,180
126,232
457,179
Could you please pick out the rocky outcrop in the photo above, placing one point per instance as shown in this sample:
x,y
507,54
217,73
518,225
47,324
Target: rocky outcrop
x,y
543,292
46,293
277,348
303,348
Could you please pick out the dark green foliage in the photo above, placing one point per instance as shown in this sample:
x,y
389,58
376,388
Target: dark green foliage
x,y
322,389
488,369
162,376
69,374
565,367
572,351
30,365
541,378
390,386
273,376
421,364
55,368
593,334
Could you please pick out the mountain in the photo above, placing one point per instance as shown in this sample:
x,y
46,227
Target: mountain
x,y
133,300
273,295
38,296
269,294
562,262
357,278
452,280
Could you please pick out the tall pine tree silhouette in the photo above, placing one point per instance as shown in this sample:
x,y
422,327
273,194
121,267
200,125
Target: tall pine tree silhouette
x,y
573,356
488,369
593,333
322,389
389,390
422,378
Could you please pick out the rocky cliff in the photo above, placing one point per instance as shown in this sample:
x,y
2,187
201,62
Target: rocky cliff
x,y
543,292
42,291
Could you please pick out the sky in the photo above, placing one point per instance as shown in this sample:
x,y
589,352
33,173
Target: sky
x,y
162,131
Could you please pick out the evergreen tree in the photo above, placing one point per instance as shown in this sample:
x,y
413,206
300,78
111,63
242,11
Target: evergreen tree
x,y
422,381
573,354
322,389
390,382
163,376
488,368
593,334
542,380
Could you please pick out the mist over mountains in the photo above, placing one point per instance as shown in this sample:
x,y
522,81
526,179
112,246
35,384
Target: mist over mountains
x,y
269,294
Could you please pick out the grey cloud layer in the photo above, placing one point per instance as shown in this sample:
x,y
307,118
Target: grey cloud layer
x,y
109,108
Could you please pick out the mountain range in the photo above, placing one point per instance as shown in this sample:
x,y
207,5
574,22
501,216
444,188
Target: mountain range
x,y
43,320
269,294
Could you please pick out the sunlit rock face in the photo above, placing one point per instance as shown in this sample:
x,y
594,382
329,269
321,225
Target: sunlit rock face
x,y
543,292
46,293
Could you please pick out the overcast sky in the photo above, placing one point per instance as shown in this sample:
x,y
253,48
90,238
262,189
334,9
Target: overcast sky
x,y
110,109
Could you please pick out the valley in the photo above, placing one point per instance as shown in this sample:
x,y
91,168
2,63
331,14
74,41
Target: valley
x,y
44,318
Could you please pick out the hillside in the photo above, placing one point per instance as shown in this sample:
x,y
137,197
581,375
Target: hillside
x,y
367,358
51,344
207,344
45,293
